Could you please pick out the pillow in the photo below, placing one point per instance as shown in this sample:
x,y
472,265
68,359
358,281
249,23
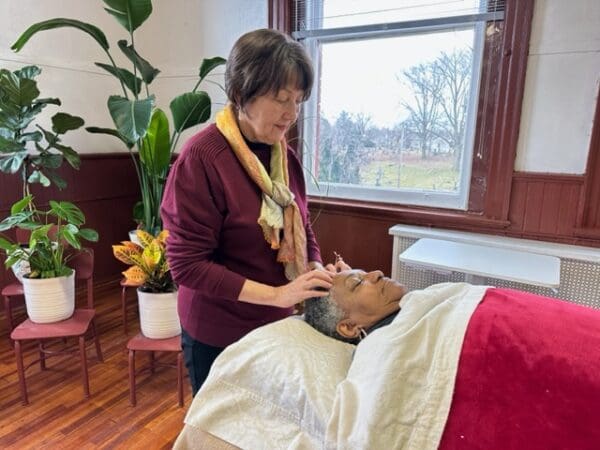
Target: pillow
x,y
276,385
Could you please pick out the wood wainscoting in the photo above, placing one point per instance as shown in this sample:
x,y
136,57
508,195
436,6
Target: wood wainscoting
x,y
542,206
105,188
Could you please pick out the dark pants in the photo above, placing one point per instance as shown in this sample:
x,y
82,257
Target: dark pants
x,y
198,359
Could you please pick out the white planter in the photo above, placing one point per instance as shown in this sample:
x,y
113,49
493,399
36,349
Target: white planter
x,y
51,299
133,238
158,315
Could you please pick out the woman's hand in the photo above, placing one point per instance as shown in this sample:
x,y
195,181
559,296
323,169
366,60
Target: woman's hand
x,y
339,266
315,283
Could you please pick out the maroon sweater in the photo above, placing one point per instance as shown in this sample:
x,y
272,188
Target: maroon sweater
x,y
211,207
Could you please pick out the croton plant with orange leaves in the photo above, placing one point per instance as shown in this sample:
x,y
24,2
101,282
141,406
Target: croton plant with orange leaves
x,y
149,268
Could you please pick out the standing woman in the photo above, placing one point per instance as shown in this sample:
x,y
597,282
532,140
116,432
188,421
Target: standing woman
x,y
240,243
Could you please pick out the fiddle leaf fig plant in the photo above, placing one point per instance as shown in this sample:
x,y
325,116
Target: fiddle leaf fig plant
x,y
35,154
138,122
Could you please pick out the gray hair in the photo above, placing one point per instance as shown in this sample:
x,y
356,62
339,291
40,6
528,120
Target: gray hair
x,y
265,61
323,314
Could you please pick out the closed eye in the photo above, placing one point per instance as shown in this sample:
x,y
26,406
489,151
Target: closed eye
x,y
357,284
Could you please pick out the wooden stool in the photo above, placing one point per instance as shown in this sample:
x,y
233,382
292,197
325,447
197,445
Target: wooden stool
x,y
142,343
124,286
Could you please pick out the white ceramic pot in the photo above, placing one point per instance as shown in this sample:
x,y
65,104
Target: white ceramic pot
x,y
49,299
158,315
133,238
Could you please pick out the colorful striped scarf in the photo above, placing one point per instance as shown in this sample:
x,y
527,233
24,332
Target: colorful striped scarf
x,y
278,211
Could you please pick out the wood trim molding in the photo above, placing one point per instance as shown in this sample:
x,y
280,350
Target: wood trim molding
x,y
589,206
280,17
510,84
400,214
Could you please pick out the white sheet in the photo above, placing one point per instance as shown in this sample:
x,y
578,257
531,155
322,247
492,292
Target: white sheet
x,y
286,386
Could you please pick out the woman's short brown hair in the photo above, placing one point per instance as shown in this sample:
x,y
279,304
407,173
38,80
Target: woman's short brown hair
x,y
265,61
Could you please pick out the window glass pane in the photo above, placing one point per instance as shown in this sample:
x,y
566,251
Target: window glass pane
x,y
344,13
393,111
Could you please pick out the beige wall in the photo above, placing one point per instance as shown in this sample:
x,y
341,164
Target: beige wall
x,y
563,73
175,39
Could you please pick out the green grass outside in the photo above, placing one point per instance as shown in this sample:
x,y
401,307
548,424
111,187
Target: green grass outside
x,y
420,176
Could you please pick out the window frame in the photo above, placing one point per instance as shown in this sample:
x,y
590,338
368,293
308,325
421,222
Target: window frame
x,y
402,196
505,57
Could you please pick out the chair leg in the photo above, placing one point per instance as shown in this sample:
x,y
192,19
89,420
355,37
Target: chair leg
x,y
8,314
84,369
180,378
97,342
132,399
21,372
152,360
124,308
42,355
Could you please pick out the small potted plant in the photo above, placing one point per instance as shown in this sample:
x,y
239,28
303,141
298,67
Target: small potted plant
x,y
157,293
55,236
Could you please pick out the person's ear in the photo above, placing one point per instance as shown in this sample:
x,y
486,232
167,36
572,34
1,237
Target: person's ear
x,y
347,328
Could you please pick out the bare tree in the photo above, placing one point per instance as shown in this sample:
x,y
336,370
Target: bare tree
x,y
455,72
426,85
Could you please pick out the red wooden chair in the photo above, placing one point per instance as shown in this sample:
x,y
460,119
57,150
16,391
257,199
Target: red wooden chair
x,y
142,343
13,291
82,321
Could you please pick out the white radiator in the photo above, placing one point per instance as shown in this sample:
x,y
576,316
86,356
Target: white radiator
x,y
580,266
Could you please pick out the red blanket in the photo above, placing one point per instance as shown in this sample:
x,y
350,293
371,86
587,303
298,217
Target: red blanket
x,y
529,376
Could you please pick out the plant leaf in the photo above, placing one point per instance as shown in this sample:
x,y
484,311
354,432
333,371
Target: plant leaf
x,y
56,179
110,132
127,255
90,29
38,177
131,117
189,109
10,146
208,64
88,234
152,255
133,83
146,70
17,92
12,163
19,206
155,151
67,211
34,136
144,237
47,101
135,276
129,13
63,122
28,72
69,154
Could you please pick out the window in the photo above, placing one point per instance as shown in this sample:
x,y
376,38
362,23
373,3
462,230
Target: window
x,y
393,116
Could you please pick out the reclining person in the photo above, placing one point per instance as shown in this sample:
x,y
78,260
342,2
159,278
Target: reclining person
x,y
358,303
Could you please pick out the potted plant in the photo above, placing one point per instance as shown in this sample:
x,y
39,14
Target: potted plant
x,y
56,233
138,123
33,154
157,293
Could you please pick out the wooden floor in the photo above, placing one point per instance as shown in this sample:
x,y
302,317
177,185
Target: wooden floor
x,y
59,417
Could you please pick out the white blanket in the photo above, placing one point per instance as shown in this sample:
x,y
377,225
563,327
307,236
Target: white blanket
x,y
285,386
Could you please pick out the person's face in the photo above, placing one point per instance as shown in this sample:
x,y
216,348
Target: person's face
x,y
268,117
365,297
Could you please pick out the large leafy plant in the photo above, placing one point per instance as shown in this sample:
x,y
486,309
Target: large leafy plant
x,y
149,268
34,153
138,123
54,232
